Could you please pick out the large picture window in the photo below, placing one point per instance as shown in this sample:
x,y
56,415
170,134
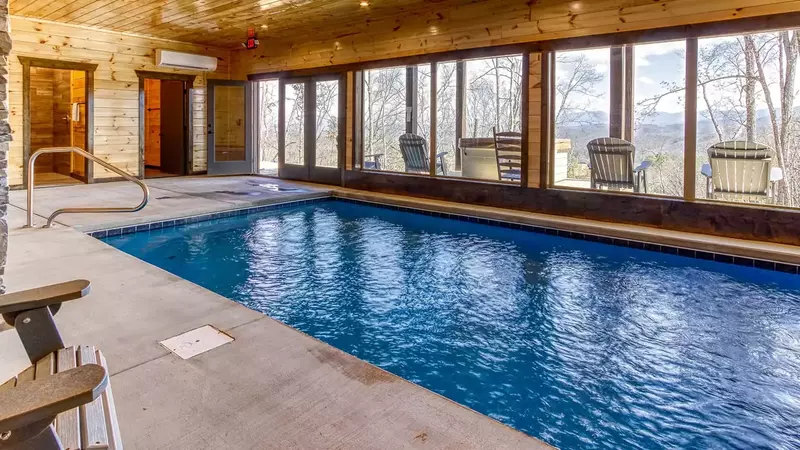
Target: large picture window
x,y
581,114
659,90
384,118
747,122
446,116
477,120
620,115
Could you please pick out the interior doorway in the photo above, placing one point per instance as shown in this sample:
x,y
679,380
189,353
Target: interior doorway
x,y
58,119
164,151
165,144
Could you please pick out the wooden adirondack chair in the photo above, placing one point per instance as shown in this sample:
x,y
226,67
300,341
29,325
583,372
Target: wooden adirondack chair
x,y
416,156
611,165
63,400
739,170
508,150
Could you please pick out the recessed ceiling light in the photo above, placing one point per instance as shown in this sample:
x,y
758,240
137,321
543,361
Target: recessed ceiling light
x,y
264,27
434,30
364,3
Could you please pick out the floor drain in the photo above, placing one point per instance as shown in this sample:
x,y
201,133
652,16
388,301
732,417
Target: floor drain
x,y
197,341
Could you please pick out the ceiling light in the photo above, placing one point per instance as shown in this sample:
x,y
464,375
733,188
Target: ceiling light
x,y
434,30
364,3
264,27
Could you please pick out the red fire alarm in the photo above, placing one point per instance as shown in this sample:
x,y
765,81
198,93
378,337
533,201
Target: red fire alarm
x,y
252,41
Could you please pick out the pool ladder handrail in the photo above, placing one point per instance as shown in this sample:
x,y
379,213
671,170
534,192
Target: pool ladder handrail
x,y
91,157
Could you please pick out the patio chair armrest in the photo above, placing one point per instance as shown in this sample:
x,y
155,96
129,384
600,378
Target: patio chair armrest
x,y
706,170
51,295
440,154
643,166
776,174
374,155
43,399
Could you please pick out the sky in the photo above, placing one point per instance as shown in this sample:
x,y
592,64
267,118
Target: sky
x,y
655,64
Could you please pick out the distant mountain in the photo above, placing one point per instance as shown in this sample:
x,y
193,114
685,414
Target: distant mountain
x,y
660,133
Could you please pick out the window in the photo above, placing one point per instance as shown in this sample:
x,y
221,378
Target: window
x,y
582,112
384,118
397,101
268,127
493,104
494,96
619,118
743,84
659,87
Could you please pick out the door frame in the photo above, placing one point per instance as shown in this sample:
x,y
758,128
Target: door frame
x,y
188,141
309,171
88,70
249,150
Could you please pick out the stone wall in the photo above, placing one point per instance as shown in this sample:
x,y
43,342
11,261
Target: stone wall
x,y
5,136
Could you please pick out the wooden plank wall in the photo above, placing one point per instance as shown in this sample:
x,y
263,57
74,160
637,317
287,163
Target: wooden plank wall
x,y
116,93
348,132
534,118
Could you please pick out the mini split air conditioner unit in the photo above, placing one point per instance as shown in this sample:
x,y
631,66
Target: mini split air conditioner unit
x,y
177,60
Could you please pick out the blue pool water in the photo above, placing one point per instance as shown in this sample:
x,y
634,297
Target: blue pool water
x,y
581,344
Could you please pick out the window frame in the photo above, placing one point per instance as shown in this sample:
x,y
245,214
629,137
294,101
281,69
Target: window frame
x,y
412,114
621,112
688,33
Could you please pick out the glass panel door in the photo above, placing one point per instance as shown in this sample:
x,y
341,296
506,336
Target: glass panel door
x,y
229,147
327,124
292,130
310,138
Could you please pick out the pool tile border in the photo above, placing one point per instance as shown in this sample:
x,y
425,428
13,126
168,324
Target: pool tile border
x,y
630,243
128,229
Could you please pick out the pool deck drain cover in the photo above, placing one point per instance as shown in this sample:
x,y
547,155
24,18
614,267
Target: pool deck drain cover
x,y
197,341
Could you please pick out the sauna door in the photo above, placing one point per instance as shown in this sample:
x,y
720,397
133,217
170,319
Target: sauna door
x,y
230,149
311,129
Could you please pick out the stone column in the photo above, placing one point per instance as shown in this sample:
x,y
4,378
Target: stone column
x,y
5,136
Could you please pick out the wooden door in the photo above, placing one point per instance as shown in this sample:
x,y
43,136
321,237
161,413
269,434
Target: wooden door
x,y
173,150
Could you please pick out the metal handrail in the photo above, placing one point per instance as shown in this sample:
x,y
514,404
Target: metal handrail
x,y
85,154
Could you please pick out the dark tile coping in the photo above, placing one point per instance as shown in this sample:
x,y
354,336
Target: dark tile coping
x,y
680,251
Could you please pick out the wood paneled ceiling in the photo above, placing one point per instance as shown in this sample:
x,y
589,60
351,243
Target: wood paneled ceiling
x,y
380,25
224,23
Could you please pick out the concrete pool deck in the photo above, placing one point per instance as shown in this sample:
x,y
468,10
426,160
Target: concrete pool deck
x,y
272,387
